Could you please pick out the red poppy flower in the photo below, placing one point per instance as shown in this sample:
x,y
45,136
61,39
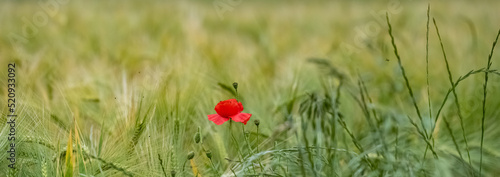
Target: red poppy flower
x,y
229,109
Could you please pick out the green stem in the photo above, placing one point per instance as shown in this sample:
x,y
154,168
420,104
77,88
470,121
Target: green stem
x,y
484,102
184,165
260,164
235,141
248,143
214,168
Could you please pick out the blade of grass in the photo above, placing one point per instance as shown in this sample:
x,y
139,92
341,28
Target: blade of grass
x,y
420,132
161,164
448,127
427,68
484,101
69,157
364,92
460,79
99,150
354,139
450,78
427,61
110,164
452,136
407,82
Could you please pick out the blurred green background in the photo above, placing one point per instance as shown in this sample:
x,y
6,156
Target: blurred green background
x,y
136,78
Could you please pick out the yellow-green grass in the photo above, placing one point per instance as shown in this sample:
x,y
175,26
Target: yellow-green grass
x,y
133,80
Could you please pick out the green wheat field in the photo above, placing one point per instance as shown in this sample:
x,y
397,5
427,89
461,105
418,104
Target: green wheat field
x,y
335,88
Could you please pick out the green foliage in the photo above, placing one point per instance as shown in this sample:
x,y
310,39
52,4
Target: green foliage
x,y
125,90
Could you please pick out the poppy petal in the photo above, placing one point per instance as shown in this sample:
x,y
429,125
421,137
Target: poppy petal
x,y
241,117
219,120
228,108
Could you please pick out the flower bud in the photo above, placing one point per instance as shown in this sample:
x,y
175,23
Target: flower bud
x,y
209,154
190,155
256,122
235,85
197,137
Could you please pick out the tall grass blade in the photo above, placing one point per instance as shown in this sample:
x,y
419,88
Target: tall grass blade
x,y
484,100
427,61
448,127
407,82
421,133
427,69
450,78
69,157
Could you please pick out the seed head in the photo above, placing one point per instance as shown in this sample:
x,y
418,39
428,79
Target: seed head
x,y
209,154
190,155
256,122
235,85
197,137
